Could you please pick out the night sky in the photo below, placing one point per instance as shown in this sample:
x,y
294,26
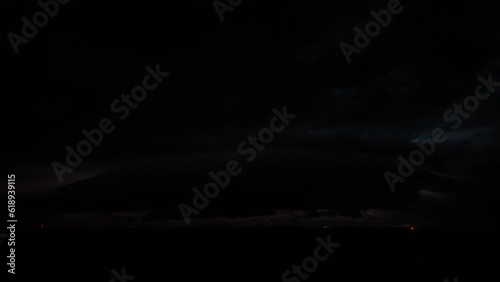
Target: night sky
x,y
325,169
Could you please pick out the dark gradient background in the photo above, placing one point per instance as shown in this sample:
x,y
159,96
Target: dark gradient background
x,y
325,170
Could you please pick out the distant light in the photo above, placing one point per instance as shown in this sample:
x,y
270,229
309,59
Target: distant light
x,y
41,226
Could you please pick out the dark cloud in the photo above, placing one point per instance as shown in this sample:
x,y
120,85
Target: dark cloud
x,y
354,119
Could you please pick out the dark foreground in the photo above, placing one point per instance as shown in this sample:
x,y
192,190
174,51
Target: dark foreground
x,y
396,254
